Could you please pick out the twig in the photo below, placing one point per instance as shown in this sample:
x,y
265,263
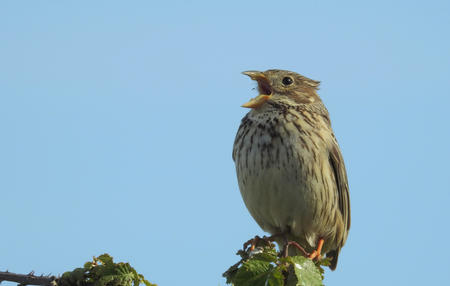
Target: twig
x,y
28,279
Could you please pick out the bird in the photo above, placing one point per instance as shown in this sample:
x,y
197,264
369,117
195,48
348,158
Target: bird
x,y
289,166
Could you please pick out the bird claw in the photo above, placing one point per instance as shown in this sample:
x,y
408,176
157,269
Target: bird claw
x,y
254,242
316,254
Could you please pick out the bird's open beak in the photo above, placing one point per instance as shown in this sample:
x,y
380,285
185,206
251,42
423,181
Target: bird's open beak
x,y
264,87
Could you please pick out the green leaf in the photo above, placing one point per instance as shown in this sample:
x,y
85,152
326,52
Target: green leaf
x,y
105,259
265,266
258,273
102,271
250,272
275,278
306,272
268,255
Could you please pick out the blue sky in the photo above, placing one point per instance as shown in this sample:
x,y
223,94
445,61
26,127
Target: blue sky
x,y
118,121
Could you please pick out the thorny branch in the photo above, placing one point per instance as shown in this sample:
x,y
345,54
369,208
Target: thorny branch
x,y
28,279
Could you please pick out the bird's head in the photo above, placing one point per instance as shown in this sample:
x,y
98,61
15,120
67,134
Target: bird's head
x,y
281,85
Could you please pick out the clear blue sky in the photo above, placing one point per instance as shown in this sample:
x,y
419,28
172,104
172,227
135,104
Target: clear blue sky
x,y
117,122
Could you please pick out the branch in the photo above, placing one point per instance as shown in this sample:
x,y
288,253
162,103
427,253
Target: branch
x,y
101,271
28,279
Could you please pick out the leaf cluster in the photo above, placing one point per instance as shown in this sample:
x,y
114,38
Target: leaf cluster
x,y
264,266
102,271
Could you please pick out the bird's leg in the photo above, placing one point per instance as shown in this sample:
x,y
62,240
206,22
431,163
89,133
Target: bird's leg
x,y
317,253
287,243
296,245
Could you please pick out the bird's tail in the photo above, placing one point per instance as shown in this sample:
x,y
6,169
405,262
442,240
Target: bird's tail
x,y
333,255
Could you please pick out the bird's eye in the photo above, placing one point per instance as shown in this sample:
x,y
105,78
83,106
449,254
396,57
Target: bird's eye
x,y
287,80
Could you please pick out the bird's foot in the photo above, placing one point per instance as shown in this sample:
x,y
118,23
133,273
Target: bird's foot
x,y
316,254
258,241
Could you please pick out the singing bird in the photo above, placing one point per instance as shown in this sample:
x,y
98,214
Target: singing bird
x,y
289,166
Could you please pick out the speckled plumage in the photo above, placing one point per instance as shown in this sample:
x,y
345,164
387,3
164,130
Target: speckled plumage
x,y
290,170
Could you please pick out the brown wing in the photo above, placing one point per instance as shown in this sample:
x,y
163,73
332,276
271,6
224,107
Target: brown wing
x,y
337,163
